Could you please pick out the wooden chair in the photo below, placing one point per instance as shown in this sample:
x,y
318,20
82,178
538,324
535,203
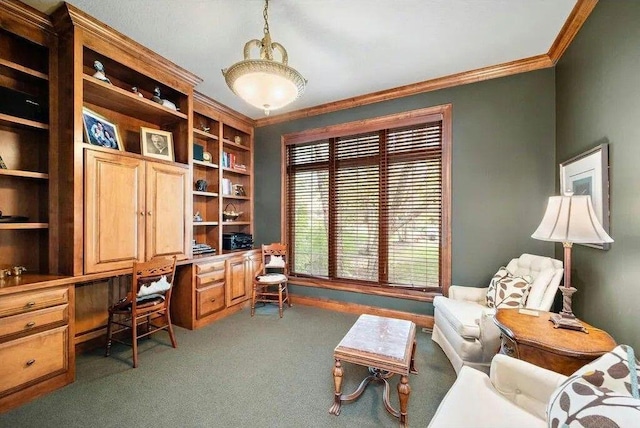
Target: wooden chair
x,y
147,310
271,285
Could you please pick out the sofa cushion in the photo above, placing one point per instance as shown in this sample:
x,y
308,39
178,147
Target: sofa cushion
x,y
600,394
462,315
538,287
507,290
472,401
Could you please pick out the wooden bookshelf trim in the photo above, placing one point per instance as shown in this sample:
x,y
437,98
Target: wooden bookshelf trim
x,y
24,174
13,120
22,69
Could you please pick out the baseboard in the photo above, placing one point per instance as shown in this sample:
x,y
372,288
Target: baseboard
x,y
425,321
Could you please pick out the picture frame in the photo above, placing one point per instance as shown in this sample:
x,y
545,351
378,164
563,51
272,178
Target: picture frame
x,y
156,144
238,190
588,174
99,131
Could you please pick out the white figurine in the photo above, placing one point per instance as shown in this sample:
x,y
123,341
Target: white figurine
x,y
99,74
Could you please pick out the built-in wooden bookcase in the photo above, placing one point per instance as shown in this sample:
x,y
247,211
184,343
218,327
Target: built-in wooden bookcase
x,y
206,168
28,55
229,175
88,228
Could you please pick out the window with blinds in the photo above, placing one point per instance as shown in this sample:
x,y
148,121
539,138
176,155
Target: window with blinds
x,y
368,208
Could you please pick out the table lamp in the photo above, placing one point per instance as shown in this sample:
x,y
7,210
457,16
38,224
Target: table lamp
x,y
570,219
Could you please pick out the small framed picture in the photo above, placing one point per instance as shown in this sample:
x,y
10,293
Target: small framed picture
x,y
98,131
156,144
238,190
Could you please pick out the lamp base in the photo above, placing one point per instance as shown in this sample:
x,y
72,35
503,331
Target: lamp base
x,y
569,322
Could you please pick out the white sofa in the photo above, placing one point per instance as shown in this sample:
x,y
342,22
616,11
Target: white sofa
x,y
464,326
519,394
516,395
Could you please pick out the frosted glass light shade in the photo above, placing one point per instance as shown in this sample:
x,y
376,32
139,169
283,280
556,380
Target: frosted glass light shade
x,y
266,84
571,219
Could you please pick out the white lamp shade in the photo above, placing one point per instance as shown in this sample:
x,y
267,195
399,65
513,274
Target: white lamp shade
x,y
571,219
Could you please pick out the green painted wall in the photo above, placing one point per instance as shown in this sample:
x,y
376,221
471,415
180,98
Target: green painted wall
x,y
503,170
598,100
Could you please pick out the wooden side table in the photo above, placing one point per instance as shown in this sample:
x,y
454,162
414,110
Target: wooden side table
x,y
533,338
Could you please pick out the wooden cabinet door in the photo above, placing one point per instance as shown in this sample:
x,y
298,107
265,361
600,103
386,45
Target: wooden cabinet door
x,y
114,211
235,281
252,268
166,207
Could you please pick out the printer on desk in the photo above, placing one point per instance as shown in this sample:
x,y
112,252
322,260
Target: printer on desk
x,y
237,241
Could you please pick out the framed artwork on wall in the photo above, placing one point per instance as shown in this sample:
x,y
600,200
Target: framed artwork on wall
x,y
588,174
157,144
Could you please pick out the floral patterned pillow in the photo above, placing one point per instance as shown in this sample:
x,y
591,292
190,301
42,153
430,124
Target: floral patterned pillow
x,y
508,291
601,394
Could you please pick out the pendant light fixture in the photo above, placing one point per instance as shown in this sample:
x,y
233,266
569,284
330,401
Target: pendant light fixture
x,y
265,83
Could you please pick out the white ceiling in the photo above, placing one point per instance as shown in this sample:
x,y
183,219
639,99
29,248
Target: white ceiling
x,y
344,48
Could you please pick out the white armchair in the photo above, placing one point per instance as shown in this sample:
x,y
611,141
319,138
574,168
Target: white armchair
x,y
464,326
516,395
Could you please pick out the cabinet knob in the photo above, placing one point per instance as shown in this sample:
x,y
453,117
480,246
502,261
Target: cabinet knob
x,y
213,300
148,212
31,362
30,324
30,304
142,213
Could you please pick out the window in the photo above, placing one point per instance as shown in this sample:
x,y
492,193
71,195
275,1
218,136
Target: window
x,y
367,204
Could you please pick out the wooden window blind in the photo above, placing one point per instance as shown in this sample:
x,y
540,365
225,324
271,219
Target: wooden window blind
x,y
367,208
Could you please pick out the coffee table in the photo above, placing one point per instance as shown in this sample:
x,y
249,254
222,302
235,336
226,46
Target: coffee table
x,y
387,346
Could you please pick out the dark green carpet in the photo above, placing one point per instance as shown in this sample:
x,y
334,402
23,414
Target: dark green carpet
x,y
238,372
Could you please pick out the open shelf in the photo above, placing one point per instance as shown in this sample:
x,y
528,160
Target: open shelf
x,y
235,171
244,198
127,103
24,174
205,223
5,63
234,144
14,120
236,223
205,164
207,194
23,226
205,134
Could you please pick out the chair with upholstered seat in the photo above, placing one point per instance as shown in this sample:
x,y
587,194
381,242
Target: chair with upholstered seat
x,y
145,310
271,285
463,321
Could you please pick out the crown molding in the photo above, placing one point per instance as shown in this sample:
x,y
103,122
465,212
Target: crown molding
x,y
505,69
22,19
68,16
572,25
574,22
223,109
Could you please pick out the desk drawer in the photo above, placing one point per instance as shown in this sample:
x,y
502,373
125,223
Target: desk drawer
x,y
209,300
23,302
34,357
34,319
203,268
203,281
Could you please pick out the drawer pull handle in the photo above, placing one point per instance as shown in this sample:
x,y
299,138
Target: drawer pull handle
x,y
31,362
213,300
30,304
30,324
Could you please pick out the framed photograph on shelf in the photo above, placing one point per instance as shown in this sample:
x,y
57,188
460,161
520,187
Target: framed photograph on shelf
x,y
156,144
588,174
99,131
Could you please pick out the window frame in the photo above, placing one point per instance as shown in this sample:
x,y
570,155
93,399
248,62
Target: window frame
x,y
430,114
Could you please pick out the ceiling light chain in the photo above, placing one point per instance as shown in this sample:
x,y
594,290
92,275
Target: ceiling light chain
x,y
265,83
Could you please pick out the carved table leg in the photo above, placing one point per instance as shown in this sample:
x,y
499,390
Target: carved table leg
x,y
412,366
403,394
337,380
